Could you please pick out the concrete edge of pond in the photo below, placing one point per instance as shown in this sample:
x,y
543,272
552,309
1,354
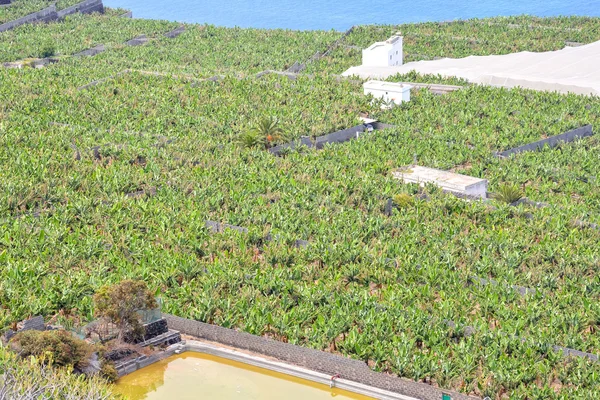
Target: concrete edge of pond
x,y
288,369
268,364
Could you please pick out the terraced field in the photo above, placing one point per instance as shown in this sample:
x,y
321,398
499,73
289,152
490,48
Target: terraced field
x,y
117,180
21,8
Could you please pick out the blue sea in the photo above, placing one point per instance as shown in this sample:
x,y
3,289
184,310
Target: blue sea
x,y
342,14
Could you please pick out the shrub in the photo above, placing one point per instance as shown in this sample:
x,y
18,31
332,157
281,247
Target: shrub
x,y
48,50
403,200
58,347
266,132
508,193
34,379
108,371
251,139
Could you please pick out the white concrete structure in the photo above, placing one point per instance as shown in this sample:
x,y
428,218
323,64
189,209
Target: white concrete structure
x,y
383,54
288,369
388,91
366,120
570,70
456,183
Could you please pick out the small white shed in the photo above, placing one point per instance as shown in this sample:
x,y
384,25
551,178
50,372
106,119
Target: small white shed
x,y
384,54
462,184
388,91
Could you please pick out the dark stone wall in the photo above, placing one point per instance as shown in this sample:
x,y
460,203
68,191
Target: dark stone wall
x,y
155,328
151,330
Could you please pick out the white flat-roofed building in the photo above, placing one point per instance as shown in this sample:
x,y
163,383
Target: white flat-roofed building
x,y
388,91
384,54
457,183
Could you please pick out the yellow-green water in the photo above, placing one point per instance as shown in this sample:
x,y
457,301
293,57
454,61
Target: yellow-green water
x,y
202,376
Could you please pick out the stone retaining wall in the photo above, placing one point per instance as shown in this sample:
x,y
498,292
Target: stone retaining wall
x,y
85,7
319,361
45,15
50,14
175,32
91,52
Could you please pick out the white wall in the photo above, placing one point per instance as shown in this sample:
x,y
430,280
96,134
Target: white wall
x,y
375,57
384,54
391,94
395,56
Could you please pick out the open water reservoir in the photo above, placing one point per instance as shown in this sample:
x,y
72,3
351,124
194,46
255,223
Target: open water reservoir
x,y
202,376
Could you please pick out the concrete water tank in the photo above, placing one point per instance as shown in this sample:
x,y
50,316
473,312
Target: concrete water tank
x,y
456,183
390,92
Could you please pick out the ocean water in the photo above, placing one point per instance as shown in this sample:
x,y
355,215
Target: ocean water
x,y
342,14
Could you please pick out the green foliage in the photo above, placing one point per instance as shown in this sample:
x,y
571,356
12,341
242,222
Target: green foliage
x,y
414,76
479,37
403,200
34,378
59,347
120,304
21,8
508,193
252,138
48,50
266,132
220,109
108,371
69,224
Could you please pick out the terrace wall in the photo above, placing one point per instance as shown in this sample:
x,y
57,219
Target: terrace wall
x,y
551,141
319,361
50,14
45,15
85,7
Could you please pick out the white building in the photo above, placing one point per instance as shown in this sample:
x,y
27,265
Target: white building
x,y
462,184
388,91
384,54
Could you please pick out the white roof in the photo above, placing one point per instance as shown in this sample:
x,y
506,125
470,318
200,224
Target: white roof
x,y
378,44
388,43
572,69
383,85
446,179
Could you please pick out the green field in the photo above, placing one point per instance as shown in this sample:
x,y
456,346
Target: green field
x,y
117,180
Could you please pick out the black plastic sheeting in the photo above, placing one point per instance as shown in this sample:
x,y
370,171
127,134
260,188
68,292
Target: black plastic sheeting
x,y
336,137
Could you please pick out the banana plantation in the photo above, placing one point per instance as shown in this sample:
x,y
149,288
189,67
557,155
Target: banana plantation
x,y
110,166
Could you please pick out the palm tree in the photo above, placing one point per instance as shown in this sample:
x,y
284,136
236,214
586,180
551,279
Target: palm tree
x,y
266,132
508,193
